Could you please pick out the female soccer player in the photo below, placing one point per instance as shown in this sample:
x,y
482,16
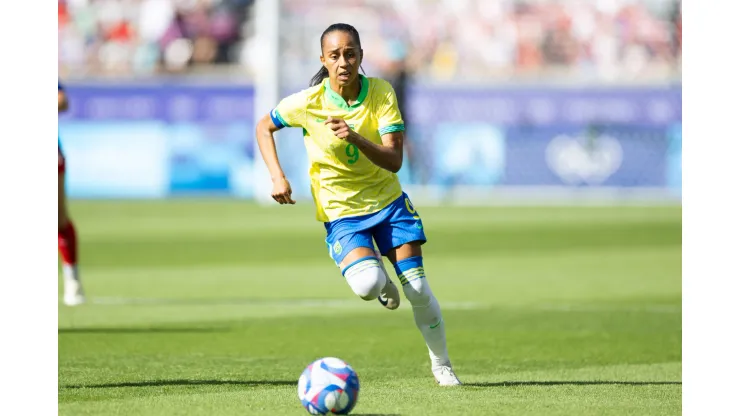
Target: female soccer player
x,y
73,293
353,132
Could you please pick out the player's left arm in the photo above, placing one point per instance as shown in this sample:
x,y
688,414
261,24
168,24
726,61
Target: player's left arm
x,y
62,100
388,155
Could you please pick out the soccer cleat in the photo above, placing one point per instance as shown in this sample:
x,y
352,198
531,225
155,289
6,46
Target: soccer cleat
x,y
389,296
445,376
73,293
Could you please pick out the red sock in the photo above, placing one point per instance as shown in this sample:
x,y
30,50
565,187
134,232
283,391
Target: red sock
x,y
68,244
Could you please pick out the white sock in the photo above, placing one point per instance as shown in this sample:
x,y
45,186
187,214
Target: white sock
x,y
70,272
428,318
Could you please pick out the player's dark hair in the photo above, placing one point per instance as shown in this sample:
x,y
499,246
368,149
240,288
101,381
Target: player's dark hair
x,y
342,27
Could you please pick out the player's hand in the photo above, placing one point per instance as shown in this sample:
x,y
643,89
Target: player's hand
x,y
339,127
281,191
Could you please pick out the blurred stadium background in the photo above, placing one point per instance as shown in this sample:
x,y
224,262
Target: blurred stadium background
x,y
547,99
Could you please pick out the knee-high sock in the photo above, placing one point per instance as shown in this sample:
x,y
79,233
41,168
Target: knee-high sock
x,y
427,313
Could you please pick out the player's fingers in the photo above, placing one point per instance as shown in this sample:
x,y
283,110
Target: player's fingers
x,y
284,197
335,126
281,196
334,121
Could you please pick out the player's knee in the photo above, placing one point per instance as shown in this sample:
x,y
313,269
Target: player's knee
x,y
415,286
418,292
365,277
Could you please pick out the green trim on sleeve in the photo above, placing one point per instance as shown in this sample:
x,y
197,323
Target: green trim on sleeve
x,y
392,129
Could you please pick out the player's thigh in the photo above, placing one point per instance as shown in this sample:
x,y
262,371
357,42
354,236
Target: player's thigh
x,y
356,254
402,235
351,247
404,251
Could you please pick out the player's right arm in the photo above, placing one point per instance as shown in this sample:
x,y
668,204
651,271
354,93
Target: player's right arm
x,y
290,112
281,190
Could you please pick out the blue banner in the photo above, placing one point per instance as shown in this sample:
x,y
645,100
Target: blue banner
x,y
674,164
468,154
543,106
116,159
170,103
133,140
586,156
156,140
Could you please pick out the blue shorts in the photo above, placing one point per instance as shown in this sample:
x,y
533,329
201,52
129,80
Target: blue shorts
x,y
393,226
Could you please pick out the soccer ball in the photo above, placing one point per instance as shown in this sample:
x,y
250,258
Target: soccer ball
x,y
328,385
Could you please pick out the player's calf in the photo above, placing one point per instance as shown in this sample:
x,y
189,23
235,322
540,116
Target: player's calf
x,y
67,241
428,317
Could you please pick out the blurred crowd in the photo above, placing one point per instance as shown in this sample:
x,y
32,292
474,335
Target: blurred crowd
x,y
130,37
436,40
474,40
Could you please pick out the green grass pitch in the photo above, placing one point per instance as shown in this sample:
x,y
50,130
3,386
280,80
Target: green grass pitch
x,y
214,307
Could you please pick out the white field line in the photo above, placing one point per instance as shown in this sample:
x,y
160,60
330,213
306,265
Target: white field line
x,y
357,304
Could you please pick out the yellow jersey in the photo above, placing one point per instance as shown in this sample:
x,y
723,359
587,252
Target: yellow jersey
x,y
344,182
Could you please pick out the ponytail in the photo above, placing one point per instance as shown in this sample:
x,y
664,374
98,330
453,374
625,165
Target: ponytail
x,y
316,79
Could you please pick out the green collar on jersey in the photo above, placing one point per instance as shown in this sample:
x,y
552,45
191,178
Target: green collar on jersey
x,y
337,99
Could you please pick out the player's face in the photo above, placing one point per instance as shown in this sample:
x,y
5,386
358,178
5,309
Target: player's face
x,y
342,57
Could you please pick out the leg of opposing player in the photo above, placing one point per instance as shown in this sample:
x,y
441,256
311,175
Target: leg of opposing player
x,y
67,240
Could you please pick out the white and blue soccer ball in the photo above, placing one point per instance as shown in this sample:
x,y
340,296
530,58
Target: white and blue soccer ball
x,y
328,385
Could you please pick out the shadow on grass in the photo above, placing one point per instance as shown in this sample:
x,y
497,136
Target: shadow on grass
x,y
144,330
573,383
157,383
